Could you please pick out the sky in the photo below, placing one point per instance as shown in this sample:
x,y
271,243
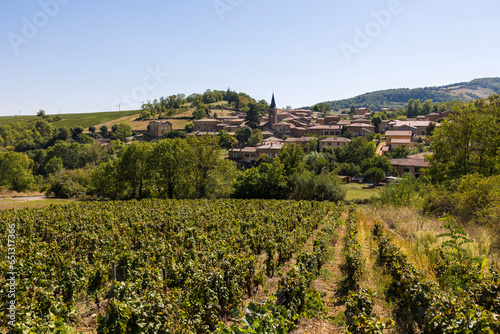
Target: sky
x,y
73,56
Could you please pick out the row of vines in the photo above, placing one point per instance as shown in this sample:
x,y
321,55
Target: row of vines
x,y
157,266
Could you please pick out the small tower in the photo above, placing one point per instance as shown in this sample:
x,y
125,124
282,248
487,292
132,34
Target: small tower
x,y
273,113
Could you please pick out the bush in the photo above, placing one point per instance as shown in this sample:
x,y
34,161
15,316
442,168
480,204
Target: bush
x,y
322,187
402,193
68,184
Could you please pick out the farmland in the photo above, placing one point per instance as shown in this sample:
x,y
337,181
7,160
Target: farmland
x,y
231,266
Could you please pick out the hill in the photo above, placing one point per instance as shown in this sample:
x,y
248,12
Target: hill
x,y
397,98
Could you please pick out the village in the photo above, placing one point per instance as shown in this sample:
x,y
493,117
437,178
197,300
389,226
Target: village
x,y
300,126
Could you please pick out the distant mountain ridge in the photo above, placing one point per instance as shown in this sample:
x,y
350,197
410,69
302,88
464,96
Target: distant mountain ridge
x,y
396,98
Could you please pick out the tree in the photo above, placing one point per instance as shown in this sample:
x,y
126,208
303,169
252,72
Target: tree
x,y
252,118
322,187
92,129
104,129
400,152
429,130
348,169
225,139
467,142
189,127
292,158
356,151
174,134
255,138
266,181
40,113
381,162
133,171
376,121
16,172
205,152
375,175
243,134
199,114
170,166
123,131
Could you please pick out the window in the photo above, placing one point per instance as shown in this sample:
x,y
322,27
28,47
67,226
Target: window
x,y
253,155
235,155
247,155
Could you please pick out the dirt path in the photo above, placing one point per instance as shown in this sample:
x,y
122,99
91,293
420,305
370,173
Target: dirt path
x,y
328,281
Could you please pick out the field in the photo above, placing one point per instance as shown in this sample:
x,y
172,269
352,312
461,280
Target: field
x,y
73,120
234,266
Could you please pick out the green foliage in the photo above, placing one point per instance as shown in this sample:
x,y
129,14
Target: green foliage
x,y
356,151
467,142
158,266
123,131
16,172
348,169
423,303
266,181
292,157
473,198
243,134
252,118
402,193
359,314
199,114
381,162
399,152
67,184
255,138
322,187
189,127
375,175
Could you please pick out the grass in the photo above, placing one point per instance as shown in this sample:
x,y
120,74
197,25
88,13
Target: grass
x,y
91,119
357,191
73,120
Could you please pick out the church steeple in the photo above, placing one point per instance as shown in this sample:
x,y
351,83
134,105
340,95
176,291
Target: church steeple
x,y
273,103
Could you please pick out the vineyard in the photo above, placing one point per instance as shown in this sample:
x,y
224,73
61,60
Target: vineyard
x,y
230,266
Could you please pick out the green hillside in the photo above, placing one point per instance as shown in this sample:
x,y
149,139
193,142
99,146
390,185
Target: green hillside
x,y
73,120
396,98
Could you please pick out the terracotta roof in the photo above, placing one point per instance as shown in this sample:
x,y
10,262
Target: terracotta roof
x,y
335,140
398,133
410,163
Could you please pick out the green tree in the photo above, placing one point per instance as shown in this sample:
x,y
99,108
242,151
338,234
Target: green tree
x,y
92,129
266,181
243,134
292,158
400,152
133,169
205,152
252,118
356,151
40,113
376,121
429,130
467,142
189,127
348,169
225,139
322,187
16,172
199,114
375,175
378,161
170,164
104,130
255,138
123,131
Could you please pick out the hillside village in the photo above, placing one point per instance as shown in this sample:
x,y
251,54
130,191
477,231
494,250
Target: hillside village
x,y
301,126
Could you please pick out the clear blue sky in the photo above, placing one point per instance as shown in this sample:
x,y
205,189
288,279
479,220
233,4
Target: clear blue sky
x,y
92,55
